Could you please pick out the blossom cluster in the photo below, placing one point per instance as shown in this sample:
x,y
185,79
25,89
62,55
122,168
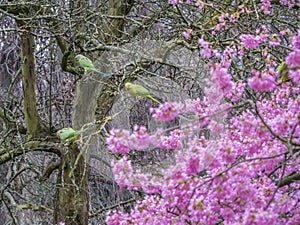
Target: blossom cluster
x,y
293,60
233,177
239,175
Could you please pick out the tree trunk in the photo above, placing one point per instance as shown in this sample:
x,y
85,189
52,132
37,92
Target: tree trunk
x,y
72,199
114,30
33,122
92,101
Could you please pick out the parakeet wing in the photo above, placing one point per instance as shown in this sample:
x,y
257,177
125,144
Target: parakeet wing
x,y
283,72
141,91
280,67
66,133
86,63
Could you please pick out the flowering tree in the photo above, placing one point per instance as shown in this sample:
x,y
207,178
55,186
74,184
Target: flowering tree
x,y
248,172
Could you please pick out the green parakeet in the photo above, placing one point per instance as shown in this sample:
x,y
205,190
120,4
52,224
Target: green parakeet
x,y
68,134
140,91
283,72
88,65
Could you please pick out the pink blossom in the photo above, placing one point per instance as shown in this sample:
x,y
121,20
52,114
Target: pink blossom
x,y
293,58
228,55
295,76
200,4
165,112
236,92
123,172
289,3
296,40
187,33
222,78
117,141
265,5
274,40
213,92
215,127
140,139
172,141
261,81
193,165
249,40
206,51
175,2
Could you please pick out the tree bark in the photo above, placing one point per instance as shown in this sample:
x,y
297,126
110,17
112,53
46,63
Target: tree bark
x,y
72,199
33,122
114,30
93,101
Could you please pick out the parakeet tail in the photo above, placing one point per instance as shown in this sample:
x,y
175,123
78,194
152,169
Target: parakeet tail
x,y
101,73
79,132
153,99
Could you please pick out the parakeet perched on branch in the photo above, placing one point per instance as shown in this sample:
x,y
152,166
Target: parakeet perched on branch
x,y
283,72
88,65
140,91
68,134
